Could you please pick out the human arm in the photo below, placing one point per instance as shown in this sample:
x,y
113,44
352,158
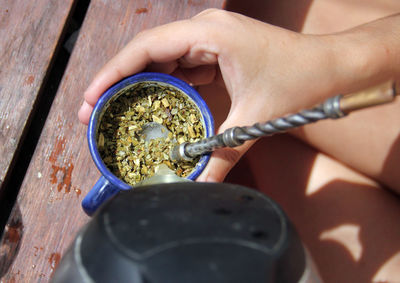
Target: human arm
x,y
268,71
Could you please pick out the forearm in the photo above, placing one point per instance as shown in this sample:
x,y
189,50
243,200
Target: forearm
x,y
366,55
316,67
268,71
366,140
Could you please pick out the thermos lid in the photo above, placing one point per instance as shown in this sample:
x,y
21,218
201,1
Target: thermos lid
x,y
190,232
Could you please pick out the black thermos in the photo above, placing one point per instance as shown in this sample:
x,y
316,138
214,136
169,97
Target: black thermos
x,y
187,232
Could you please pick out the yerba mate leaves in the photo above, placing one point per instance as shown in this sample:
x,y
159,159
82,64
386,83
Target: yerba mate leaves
x,y
125,152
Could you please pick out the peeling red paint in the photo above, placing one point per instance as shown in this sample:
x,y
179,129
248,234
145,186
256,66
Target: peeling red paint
x,y
54,260
141,10
62,177
29,80
58,148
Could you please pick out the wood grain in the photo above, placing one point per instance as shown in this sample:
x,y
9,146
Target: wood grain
x,y
48,212
29,32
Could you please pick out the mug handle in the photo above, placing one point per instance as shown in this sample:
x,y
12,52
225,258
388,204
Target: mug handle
x,y
100,193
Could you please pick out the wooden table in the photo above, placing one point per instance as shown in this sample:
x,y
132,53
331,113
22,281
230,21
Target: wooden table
x,y
46,168
47,214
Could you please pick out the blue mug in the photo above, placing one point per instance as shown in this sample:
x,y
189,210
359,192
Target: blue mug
x,y
109,185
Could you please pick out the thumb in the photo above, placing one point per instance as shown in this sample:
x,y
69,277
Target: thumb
x,y
221,162
223,159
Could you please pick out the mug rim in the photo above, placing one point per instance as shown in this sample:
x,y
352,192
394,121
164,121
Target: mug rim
x,y
137,78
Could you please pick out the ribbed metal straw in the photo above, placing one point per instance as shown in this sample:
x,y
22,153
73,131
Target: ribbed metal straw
x,y
332,108
238,135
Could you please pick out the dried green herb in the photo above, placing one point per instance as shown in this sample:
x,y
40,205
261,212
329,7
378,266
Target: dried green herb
x,y
124,150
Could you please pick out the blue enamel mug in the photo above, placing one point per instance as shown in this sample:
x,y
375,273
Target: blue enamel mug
x,y
109,185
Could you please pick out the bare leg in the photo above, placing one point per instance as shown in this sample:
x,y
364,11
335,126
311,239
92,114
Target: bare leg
x,y
367,141
347,221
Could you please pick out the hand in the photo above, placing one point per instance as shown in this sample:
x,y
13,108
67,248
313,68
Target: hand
x,y
267,71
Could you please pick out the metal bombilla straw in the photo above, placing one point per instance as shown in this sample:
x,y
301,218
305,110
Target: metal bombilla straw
x,y
333,108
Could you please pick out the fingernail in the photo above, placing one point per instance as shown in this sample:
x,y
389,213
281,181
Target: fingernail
x,y
84,112
82,106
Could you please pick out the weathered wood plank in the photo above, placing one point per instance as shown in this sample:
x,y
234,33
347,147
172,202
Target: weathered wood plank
x,y
29,32
48,214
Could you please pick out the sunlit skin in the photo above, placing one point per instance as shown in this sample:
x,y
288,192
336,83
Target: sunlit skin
x,y
341,188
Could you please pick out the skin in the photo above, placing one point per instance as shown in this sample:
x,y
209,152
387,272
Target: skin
x,y
203,50
342,186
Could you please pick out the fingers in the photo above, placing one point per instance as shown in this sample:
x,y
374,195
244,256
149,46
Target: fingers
x,y
132,59
200,75
84,113
166,68
197,55
159,49
198,51
221,162
163,44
